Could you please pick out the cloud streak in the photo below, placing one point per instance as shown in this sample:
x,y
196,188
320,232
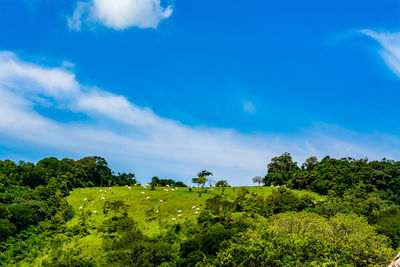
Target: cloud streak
x,y
390,51
136,138
119,14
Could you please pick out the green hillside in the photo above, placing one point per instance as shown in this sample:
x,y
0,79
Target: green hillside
x,y
144,210
325,213
189,204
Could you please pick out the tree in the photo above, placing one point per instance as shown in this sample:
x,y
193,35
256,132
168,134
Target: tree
x,y
281,164
196,181
96,169
222,183
307,239
126,178
280,169
7,228
204,173
310,163
202,178
154,182
258,179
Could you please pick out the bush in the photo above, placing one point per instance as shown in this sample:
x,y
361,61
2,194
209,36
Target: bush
x,y
303,238
388,223
7,228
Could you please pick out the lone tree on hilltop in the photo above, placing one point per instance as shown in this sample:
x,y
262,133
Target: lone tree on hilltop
x,y
202,178
258,179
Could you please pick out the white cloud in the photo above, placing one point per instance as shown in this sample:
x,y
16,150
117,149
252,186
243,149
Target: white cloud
x,y
137,138
119,14
80,14
249,107
390,51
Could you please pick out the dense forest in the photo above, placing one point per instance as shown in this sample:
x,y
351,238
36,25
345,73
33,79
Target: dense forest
x,y
332,212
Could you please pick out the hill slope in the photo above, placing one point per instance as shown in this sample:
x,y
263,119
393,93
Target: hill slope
x,y
144,210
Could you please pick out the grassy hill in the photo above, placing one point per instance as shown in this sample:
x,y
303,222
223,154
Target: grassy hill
x,y
151,215
144,210
42,223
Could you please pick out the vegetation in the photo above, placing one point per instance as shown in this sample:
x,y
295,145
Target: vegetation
x,y
79,213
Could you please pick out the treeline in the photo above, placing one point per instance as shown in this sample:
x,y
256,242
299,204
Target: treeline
x,y
86,172
355,223
31,195
367,188
336,176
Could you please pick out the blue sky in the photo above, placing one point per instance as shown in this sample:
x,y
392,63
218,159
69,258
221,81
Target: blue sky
x,y
169,88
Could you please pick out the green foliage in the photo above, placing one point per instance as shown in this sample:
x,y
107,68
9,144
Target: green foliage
x,y
222,183
155,181
282,200
219,206
293,239
7,228
202,178
355,180
356,223
388,223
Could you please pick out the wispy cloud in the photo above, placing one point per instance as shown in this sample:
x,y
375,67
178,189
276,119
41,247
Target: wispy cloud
x,y
141,140
119,14
390,51
249,107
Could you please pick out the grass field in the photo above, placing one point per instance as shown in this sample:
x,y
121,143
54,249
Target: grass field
x,y
142,210
151,213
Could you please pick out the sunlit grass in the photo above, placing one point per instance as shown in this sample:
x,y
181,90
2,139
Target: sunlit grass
x,y
144,211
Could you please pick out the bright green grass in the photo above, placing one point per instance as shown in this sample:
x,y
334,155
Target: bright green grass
x,y
144,211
